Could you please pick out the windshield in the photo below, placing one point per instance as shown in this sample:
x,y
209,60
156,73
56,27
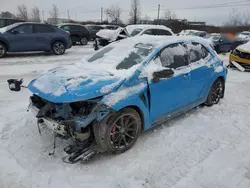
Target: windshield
x,y
9,27
135,32
129,57
247,34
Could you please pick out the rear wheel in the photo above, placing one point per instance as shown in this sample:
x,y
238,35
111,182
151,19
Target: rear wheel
x,y
3,50
121,131
216,93
58,48
84,41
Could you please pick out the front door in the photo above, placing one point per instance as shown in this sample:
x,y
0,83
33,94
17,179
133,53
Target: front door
x,y
22,38
170,94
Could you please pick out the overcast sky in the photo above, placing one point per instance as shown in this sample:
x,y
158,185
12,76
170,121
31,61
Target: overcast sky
x,y
90,9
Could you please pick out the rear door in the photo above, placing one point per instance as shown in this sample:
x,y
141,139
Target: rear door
x,y
21,38
75,33
201,69
44,35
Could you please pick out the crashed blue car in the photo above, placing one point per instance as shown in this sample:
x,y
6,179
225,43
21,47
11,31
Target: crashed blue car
x,y
129,86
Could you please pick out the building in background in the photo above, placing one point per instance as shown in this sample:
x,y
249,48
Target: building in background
x,y
8,21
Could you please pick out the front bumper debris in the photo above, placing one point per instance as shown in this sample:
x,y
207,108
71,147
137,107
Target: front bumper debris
x,y
50,123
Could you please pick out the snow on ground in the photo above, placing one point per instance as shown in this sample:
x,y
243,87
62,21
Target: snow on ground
x,y
204,148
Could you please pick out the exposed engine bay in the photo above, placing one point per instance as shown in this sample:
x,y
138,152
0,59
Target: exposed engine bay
x,y
75,118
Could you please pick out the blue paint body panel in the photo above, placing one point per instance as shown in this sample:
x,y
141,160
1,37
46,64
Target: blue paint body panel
x,y
156,102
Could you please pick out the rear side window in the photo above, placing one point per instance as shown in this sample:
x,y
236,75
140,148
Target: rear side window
x,y
196,52
74,28
83,29
162,32
149,32
43,29
27,28
173,56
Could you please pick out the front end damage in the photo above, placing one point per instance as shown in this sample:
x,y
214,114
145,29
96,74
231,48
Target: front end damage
x,y
72,120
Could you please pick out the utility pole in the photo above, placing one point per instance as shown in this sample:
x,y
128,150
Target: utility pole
x,y
158,16
43,16
101,14
68,14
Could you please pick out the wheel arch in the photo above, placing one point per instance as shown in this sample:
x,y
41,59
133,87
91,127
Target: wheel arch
x,y
5,43
58,39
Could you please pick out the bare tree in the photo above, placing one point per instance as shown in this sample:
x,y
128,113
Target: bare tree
x,y
7,15
114,13
246,18
135,12
168,15
35,14
234,19
22,12
54,14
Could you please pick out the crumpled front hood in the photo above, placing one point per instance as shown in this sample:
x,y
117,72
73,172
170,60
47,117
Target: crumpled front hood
x,y
60,85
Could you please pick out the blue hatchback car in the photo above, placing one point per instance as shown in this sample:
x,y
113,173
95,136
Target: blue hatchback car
x,y
125,88
27,36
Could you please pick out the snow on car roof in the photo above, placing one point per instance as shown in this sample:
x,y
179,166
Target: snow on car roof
x,y
130,28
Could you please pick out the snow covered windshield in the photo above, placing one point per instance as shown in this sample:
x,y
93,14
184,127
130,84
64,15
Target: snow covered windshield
x,y
120,56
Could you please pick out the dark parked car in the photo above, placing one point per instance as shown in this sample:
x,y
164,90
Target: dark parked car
x,y
27,36
78,33
222,43
111,27
93,30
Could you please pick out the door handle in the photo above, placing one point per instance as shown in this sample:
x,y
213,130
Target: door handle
x,y
185,76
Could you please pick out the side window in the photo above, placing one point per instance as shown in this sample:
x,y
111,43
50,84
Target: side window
x,y
65,27
163,32
148,32
27,28
43,29
74,28
196,52
173,56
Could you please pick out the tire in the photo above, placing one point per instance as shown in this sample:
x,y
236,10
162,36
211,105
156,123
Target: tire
x,y
3,50
83,41
117,137
58,48
216,93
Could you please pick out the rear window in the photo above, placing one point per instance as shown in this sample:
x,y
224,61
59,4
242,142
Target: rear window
x,y
43,29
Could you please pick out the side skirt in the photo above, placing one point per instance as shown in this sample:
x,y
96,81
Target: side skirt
x,y
178,112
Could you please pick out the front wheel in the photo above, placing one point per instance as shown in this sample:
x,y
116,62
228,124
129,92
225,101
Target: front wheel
x,y
3,50
216,93
58,48
121,131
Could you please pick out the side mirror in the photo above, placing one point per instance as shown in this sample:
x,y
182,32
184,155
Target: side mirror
x,y
14,32
166,73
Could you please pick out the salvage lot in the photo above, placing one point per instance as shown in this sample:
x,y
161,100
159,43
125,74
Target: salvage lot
x,y
207,147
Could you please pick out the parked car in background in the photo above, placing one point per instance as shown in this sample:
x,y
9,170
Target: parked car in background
x,y
141,29
244,35
8,21
93,30
126,88
240,57
191,32
78,32
111,27
222,43
28,36
107,36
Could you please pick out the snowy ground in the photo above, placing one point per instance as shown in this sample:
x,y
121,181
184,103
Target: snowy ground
x,y
205,148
